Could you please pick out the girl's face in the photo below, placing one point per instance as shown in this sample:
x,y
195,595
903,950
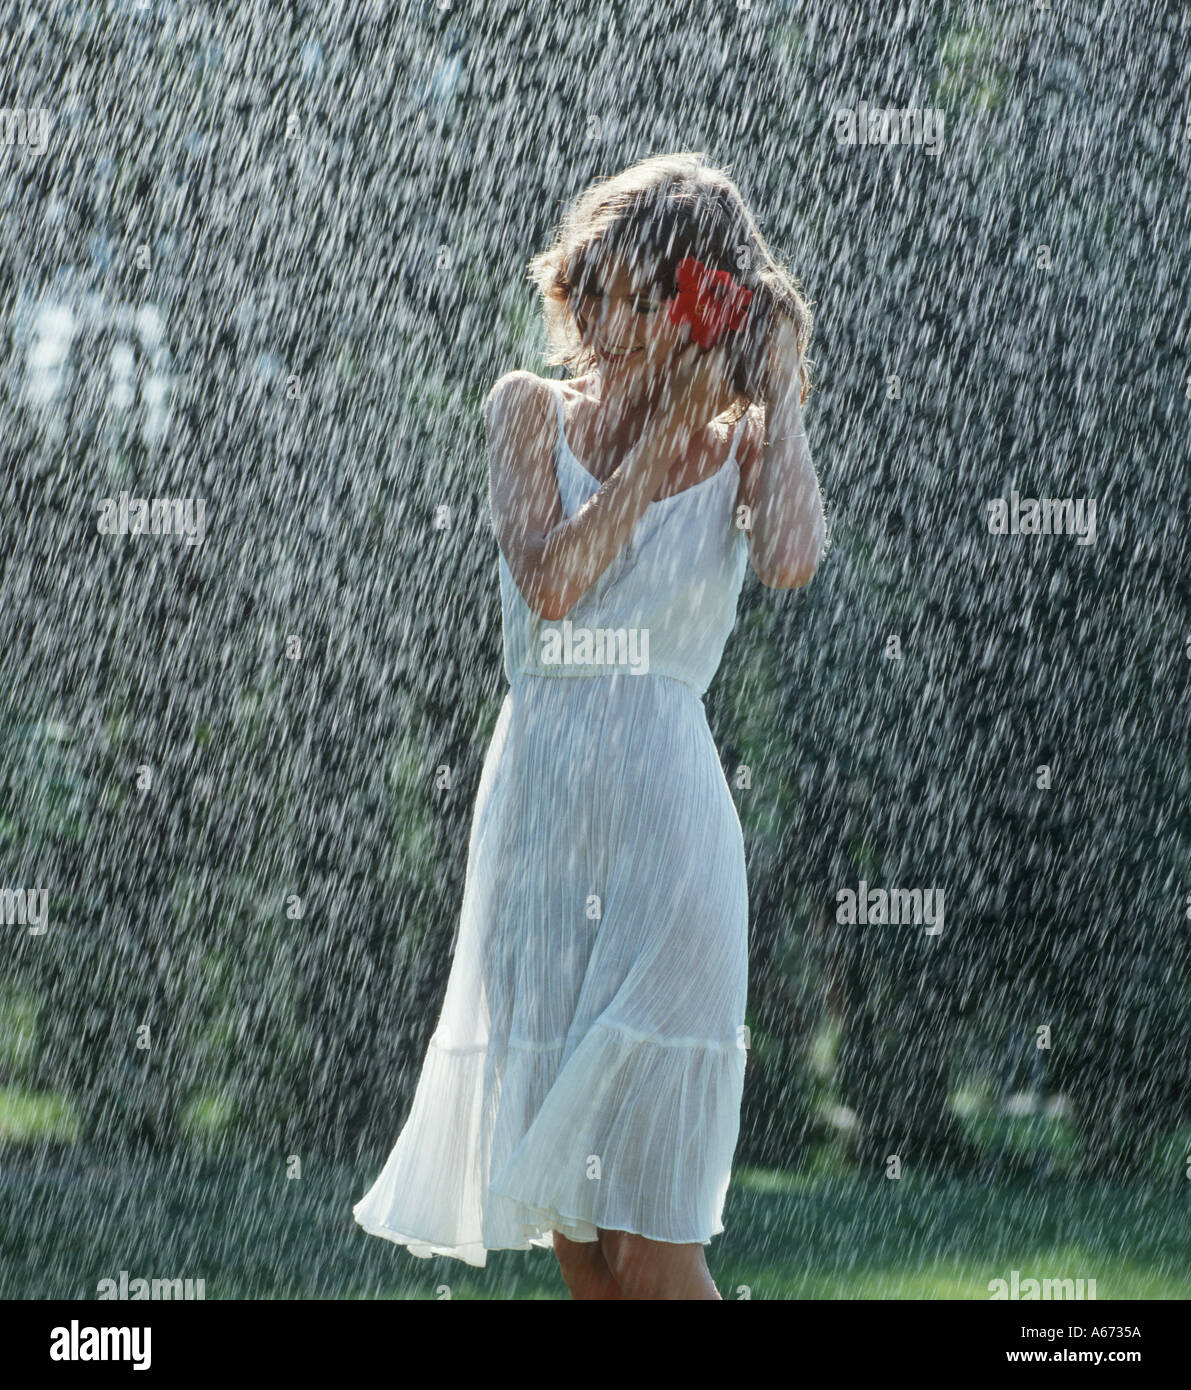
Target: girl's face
x,y
625,324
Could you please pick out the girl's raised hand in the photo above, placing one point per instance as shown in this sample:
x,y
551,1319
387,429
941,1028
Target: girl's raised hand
x,y
783,364
694,376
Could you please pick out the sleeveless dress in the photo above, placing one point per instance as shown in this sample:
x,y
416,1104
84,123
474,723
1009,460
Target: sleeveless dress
x,y
587,1067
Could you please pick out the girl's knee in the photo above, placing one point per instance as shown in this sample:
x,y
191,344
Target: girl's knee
x,y
583,1268
644,1268
580,1257
636,1263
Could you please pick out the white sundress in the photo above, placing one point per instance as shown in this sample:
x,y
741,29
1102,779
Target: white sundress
x,y
587,1067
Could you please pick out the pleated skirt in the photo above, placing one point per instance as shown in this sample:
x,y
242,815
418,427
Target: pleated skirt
x,y
587,1067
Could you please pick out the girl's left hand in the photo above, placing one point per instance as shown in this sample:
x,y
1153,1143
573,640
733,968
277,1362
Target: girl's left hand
x,y
783,365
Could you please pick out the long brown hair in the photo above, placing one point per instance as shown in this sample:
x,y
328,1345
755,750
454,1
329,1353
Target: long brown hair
x,y
656,213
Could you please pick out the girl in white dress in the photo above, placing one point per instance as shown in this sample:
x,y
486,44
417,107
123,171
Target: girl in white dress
x,y
582,1088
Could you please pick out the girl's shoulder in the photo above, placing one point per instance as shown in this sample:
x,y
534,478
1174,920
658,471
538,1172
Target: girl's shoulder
x,y
522,397
523,416
526,385
511,391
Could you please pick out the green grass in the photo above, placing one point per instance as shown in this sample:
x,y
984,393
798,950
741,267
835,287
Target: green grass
x,y
250,1232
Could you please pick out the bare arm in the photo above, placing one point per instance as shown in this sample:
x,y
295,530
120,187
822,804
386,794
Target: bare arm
x,y
778,485
554,559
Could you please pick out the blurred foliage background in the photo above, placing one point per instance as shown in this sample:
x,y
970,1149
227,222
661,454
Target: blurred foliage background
x,y
328,214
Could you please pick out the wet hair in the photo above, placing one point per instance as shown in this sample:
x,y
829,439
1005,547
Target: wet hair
x,y
651,216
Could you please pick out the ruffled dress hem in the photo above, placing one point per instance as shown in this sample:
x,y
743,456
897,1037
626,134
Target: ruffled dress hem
x,y
538,1234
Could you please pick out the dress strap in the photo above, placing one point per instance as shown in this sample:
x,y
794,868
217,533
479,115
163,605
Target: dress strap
x,y
561,448
562,445
557,389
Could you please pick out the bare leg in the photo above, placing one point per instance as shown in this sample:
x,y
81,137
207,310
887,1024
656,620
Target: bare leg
x,y
656,1269
584,1269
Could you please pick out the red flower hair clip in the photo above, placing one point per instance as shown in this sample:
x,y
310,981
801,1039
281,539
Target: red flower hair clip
x,y
709,300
